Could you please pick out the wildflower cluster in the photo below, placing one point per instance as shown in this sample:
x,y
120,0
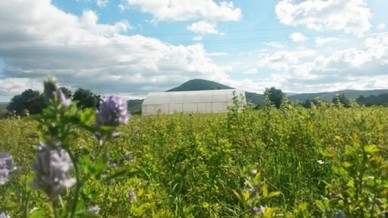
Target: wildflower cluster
x,y
56,165
113,112
52,167
7,165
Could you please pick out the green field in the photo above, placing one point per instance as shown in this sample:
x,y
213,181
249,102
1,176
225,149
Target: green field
x,y
316,162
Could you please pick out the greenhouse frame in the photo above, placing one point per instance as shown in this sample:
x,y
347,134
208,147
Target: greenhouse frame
x,y
209,101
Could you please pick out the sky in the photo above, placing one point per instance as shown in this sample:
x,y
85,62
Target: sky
x,y
133,47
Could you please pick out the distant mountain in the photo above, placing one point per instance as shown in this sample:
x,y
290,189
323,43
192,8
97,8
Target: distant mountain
x,y
328,96
199,84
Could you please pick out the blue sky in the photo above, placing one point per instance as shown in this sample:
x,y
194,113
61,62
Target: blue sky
x,y
133,47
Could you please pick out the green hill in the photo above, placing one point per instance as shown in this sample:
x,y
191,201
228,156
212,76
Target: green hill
x,y
199,84
328,96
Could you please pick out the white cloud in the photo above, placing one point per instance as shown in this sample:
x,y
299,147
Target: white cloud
x,y
298,37
203,27
251,71
283,60
187,9
274,44
102,3
42,40
350,16
381,26
197,38
324,40
364,66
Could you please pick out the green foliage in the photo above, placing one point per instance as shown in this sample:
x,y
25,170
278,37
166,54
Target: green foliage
x,y
294,162
341,100
86,98
29,102
275,96
381,99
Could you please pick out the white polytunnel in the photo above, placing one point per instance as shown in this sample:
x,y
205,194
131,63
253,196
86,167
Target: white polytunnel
x,y
208,101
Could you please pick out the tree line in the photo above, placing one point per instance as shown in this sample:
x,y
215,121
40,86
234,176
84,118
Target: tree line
x,y
33,102
277,97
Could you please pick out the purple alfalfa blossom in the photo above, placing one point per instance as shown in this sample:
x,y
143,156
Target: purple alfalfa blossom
x,y
7,165
112,112
339,214
94,209
255,210
4,215
52,166
113,165
132,196
253,191
65,102
52,92
4,173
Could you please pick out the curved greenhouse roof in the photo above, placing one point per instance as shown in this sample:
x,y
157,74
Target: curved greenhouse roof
x,y
209,101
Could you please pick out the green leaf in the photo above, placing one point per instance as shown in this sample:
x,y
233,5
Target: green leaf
x,y
88,117
274,194
371,149
320,205
36,214
264,189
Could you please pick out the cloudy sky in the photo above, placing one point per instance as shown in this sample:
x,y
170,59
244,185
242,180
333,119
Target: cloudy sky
x,y
132,47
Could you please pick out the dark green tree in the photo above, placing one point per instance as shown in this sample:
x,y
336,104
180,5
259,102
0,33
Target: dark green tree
x,y
29,101
275,96
86,98
381,99
340,99
315,101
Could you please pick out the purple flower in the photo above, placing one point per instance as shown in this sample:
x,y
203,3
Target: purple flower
x,y
65,102
3,175
94,209
51,91
132,196
339,214
7,165
52,166
4,215
255,210
113,111
253,191
128,157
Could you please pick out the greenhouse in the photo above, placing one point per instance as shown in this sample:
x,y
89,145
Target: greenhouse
x,y
209,101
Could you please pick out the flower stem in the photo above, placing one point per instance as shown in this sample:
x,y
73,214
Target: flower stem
x,y
78,185
54,209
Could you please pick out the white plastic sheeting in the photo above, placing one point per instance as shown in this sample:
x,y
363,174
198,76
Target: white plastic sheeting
x,y
209,101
